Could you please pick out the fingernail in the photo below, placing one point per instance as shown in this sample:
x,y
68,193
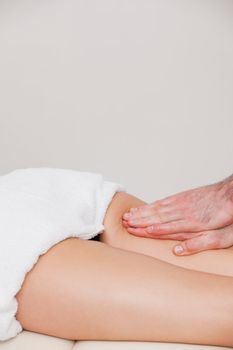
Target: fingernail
x,y
179,249
133,210
126,216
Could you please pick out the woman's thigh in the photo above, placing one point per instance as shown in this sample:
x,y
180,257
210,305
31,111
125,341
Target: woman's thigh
x,y
218,261
88,290
56,295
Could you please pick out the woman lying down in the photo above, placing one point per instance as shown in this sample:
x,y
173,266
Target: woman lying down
x,y
69,269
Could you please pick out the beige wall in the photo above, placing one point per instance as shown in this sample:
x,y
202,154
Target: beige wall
x,y
139,90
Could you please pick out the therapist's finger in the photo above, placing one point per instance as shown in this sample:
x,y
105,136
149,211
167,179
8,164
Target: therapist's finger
x,y
156,218
151,216
172,227
146,210
141,232
139,212
177,236
158,206
214,239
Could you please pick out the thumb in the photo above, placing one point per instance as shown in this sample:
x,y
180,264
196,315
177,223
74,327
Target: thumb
x,y
209,240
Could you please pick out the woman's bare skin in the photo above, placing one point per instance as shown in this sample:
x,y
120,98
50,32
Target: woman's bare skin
x,y
101,290
219,261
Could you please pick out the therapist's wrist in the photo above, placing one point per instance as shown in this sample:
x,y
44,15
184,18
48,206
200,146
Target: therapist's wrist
x,y
227,188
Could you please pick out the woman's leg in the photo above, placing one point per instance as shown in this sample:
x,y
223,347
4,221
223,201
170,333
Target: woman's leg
x,y
218,261
89,290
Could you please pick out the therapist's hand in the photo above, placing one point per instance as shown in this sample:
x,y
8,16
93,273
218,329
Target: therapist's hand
x,y
192,243
186,215
204,208
208,240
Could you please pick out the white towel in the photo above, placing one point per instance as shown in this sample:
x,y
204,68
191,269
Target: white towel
x,y
38,208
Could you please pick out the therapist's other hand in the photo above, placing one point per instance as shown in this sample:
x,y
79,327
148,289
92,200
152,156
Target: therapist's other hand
x,y
208,240
201,209
193,243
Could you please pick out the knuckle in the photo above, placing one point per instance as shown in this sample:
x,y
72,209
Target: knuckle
x,y
214,240
227,239
152,228
193,245
194,223
189,245
211,241
155,228
160,228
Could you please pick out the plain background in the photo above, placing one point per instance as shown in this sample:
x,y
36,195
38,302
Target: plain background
x,y
138,90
